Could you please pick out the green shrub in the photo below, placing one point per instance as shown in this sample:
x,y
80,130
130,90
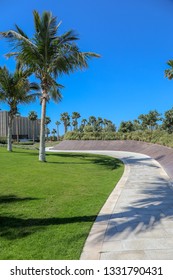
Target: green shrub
x,y
24,143
72,135
109,136
3,140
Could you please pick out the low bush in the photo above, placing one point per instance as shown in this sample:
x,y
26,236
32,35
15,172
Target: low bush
x,y
72,135
3,140
23,143
76,135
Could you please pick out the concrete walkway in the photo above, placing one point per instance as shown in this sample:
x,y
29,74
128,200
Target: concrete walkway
x,y
136,221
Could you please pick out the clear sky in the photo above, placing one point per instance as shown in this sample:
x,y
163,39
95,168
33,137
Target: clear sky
x,y
134,38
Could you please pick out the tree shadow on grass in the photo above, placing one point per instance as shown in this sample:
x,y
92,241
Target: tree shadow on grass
x,y
13,198
106,161
14,228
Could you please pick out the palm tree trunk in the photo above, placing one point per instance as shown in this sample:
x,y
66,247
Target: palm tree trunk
x,y
57,132
42,154
47,134
9,136
33,132
65,128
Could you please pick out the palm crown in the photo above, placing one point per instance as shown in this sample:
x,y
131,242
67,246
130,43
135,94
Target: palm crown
x,y
47,54
15,88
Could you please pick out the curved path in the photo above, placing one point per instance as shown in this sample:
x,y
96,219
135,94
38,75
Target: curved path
x,y
136,221
162,154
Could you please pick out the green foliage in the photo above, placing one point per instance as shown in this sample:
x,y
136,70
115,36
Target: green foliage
x,y
88,128
94,135
3,140
168,121
157,137
32,116
150,120
73,135
126,127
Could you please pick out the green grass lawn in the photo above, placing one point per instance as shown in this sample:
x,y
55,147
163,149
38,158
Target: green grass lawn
x,y
47,209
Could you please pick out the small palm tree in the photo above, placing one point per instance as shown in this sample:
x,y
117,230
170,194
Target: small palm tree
x,y
33,117
15,89
75,117
57,125
53,133
47,55
47,121
65,118
84,122
92,120
47,131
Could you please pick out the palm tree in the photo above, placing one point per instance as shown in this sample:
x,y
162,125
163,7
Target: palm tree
x,y
75,117
47,132
84,122
92,120
15,89
47,121
33,117
65,118
169,72
54,132
47,55
57,125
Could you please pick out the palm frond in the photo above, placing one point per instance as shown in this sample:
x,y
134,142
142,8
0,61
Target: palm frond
x,y
20,31
169,72
55,92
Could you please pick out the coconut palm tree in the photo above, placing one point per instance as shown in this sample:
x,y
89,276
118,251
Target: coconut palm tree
x,y
47,55
15,89
33,117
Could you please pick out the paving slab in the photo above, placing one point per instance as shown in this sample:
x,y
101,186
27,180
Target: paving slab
x,y
136,221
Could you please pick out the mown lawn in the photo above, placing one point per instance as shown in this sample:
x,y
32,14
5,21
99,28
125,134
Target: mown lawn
x,y
47,209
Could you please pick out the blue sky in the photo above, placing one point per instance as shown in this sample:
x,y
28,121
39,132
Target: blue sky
x,y
134,39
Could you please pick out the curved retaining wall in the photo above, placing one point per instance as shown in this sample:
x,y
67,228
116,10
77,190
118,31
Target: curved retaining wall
x,y
164,155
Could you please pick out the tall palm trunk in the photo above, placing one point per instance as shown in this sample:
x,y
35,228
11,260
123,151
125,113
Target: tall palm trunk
x,y
47,134
33,132
9,136
65,127
57,132
42,154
